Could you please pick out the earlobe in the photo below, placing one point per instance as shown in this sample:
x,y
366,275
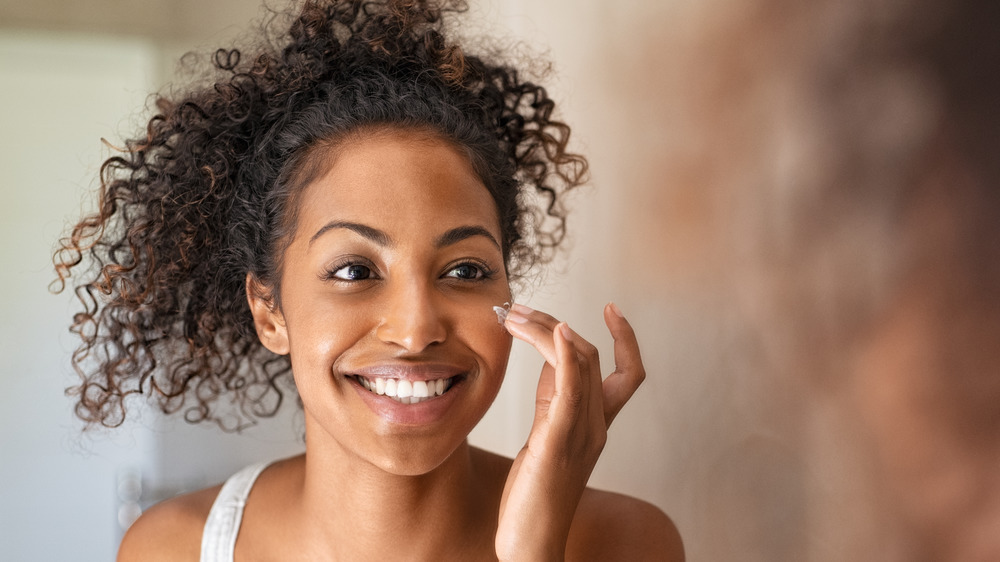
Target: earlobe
x,y
267,318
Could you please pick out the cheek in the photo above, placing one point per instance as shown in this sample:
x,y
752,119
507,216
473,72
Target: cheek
x,y
490,341
319,332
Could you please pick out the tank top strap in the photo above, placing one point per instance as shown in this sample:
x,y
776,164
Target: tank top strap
x,y
218,540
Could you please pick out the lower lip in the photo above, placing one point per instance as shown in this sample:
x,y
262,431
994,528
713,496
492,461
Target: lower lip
x,y
421,413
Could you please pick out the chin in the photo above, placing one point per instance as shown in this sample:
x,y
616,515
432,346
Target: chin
x,y
409,459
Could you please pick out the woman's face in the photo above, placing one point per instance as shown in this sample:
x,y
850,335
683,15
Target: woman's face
x,y
387,288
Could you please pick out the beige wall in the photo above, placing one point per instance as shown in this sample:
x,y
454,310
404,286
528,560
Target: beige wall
x,y
160,19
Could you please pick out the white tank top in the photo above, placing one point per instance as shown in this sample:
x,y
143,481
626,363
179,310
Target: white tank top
x,y
218,540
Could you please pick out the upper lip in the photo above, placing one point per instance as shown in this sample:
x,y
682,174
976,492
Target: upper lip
x,y
410,372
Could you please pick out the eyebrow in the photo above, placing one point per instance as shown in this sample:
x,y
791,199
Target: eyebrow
x,y
453,236
460,233
373,234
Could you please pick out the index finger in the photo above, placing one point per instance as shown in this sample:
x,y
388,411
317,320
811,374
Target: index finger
x,y
534,327
629,373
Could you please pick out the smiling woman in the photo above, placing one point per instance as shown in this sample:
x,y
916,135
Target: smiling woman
x,y
346,204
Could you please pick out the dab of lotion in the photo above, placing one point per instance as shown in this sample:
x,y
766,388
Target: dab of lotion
x,y
502,312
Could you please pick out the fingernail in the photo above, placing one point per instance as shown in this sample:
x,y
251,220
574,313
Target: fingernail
x,y
566,332
616,310
515,316
521,308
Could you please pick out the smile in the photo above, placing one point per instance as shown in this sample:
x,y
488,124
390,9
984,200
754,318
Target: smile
x,y
404,391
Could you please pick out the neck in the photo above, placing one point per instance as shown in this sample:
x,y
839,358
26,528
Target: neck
x,y
361,510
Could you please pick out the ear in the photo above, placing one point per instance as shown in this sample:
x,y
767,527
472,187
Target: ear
x,y
267,318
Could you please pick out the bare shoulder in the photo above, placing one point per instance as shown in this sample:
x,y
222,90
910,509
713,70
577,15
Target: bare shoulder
x,y
610,526
169,531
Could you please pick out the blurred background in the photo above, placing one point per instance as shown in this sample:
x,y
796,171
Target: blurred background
x,y
789,200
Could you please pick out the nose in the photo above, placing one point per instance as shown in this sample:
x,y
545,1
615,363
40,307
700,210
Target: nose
x,y
412,317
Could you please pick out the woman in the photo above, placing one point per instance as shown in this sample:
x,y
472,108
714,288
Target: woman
x,y
349,207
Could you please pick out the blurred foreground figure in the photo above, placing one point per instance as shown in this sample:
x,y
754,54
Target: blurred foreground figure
x,y
856,149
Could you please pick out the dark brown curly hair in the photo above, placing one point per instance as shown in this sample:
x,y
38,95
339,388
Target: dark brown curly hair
x,y
208,195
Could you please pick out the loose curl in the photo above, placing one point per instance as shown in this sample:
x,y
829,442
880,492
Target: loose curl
x,y
208,195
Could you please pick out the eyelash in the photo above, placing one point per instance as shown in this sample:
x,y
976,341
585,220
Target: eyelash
x,y
485,272
353,261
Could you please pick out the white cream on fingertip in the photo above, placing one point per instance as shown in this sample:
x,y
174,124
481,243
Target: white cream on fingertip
x,y
502,312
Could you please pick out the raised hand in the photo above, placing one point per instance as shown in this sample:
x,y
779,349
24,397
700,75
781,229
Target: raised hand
x,y
573,409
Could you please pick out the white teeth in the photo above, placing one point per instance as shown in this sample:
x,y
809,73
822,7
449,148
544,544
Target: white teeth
x,y
404,391
420,389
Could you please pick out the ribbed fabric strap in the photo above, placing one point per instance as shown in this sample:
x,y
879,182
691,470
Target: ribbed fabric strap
x,y
218,541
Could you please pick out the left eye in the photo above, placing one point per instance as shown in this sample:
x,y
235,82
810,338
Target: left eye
x,y
353,272
466,271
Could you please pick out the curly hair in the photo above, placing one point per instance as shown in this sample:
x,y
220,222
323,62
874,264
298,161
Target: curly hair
x,y
208,196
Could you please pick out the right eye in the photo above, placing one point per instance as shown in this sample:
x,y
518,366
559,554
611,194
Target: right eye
x,y
351,272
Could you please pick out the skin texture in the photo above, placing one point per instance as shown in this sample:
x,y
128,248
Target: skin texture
x,y
372,281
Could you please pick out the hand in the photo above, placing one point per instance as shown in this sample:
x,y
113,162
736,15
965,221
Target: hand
x,y
573,409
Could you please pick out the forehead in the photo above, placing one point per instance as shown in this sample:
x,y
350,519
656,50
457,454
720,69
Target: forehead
x,y
397,181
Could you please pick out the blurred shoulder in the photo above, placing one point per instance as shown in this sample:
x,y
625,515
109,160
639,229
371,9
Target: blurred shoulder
x,y
170,530
610,526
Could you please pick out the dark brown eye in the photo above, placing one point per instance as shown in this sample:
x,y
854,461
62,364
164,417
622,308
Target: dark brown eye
x,y
353,272
466,271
